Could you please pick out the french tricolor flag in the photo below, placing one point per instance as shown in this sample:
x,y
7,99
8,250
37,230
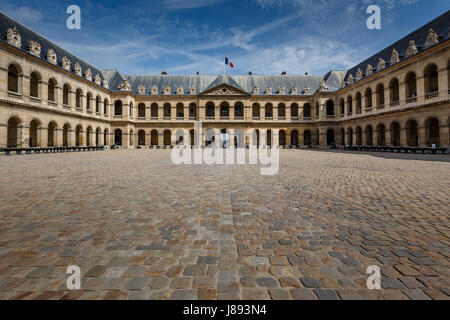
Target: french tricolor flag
x,y
228,62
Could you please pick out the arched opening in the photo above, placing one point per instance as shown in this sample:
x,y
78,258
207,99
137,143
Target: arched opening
x,y
395,134
167,138
294,111
306,111
307,138
141,111
106,107
118,137
97,137
154,111
342,137
358,99
380,96
51,90
394,89
330,137
294,138
256,110
89,136
180,111
317,110
13,135
359,136
34,85
88,101
192,111
330,108
192,137
34,126
210,110
97,104
282,111
154,138
350,136
105,137
118,109
78,136
141,138
369,135
66,130
269,138
368,99
282,138
431,79
342,107
349,105
13,79
257,140
269,111
432,132
78,95
239,110
411,85
224,111
316,137
66,92
381,135
412,133
51,134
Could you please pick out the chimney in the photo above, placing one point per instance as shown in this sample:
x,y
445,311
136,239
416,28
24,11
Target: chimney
x,y
283,73
164,73
306,73
198,73
250,73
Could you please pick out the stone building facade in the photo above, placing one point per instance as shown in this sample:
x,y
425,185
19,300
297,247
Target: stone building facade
x,y
399,96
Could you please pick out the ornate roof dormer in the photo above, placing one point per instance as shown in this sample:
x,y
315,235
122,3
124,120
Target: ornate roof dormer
x,y
255,90
97,79
381,64
394,57
350,79
167,90
369,70
154,90
180,90
294,90
141,89
412,49
268,90
307,90
13,37
88,74
35,48
66,63
105,84
281,90
125,86
192,90
359,74
432,39
342,84
77,69
323,86
51,56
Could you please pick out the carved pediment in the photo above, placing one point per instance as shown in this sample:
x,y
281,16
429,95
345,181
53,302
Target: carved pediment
x,y
432,39
394,58
13,37
412,49
224,90
51,56
34,47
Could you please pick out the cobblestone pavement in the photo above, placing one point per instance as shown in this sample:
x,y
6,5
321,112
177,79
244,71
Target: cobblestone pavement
x,y
142,228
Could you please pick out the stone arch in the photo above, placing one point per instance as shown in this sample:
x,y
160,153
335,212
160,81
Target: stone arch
x,y
380,95
349,104
432,132
118,137
106,106
51,93
66,132
167,138
51,130
118,106
368,96
192,111
78,95
210,110
359,138
239,110
66,93
330,137
343,136
14,135
306,111
395,134
256,111
394,89
180,111
106,137
431,77
294,111
350,136
358,102
167,109
98,132
35,79
294,138
412,133
369,135
224,110
34,138
411,85
78,136
282,137
88,101
342,106
141,111
154,110
89,132
154,138
381,134
316,137
307,140
14,73
281,111
330,108
97,104
268,111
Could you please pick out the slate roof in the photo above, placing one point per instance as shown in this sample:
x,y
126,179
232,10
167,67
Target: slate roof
x,y
27,34
242,82
441,25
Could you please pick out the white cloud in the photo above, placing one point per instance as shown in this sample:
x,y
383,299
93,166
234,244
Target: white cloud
x,y
190,4
25,15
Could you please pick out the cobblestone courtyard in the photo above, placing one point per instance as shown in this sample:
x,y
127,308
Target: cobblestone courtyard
x,y
142,228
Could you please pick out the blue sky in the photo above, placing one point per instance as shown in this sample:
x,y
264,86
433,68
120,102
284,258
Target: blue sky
x,y
186,36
